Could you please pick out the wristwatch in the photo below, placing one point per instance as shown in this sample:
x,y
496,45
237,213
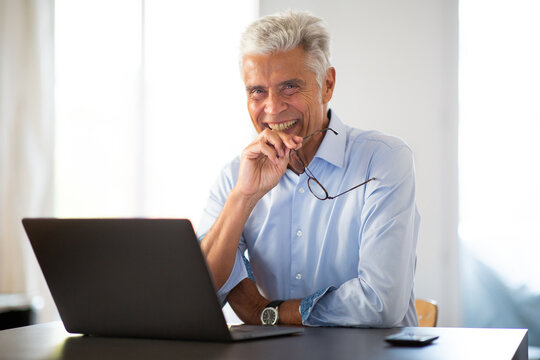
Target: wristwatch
x,y
270,314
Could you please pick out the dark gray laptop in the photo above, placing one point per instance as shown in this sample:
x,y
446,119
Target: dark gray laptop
x,y
133,278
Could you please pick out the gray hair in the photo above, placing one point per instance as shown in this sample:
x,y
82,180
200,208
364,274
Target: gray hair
x,y
286,31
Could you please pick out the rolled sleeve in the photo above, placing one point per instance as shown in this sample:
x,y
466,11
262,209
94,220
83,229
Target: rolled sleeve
x,y
238,274
307,304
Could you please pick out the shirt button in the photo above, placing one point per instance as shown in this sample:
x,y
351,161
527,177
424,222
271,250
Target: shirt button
x,y
298,276
299,233
301,190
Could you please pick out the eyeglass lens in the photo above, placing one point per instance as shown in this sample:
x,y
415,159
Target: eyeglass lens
x,y
317,189
296,163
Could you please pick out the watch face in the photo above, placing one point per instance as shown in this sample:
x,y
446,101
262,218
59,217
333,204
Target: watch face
x,y
269,316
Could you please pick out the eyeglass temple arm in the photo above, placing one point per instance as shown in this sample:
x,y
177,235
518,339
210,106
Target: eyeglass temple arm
x,y
319,131
351,189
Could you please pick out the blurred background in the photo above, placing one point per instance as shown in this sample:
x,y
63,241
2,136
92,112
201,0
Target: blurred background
x,y
124,108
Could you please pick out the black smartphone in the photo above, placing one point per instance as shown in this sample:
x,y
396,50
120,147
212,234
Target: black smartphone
x,y
410,339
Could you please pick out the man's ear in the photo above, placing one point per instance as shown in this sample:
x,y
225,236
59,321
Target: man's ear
x,y
328,85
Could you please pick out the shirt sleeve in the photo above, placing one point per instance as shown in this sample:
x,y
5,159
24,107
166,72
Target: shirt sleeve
x,y
216,200
380,296
238,274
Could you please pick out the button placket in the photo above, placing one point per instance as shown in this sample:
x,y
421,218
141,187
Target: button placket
x,y
297,237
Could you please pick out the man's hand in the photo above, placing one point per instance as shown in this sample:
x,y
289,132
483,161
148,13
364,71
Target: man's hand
x,y
262,165
264,162
248,304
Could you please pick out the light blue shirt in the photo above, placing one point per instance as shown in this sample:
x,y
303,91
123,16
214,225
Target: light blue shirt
x,y
352,259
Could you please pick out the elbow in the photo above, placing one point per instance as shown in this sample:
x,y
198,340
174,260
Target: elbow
x,y
384,312
391,318
391,314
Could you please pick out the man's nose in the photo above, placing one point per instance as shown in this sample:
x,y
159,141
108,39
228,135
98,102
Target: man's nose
x,y
274,104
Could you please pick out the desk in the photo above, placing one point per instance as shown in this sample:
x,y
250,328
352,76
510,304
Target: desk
x,y
51,341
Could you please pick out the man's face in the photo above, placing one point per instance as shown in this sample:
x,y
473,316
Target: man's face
x,y
283,95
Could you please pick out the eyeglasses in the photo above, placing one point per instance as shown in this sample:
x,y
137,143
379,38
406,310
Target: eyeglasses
x,y
316,188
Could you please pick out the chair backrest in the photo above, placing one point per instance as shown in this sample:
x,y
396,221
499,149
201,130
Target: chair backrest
x,y
427,311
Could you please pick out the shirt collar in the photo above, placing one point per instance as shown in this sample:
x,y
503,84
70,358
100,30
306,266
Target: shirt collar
x,y
332,148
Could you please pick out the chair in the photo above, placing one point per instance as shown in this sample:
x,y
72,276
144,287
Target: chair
x,y
427,311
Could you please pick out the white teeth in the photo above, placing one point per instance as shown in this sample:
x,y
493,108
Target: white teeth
x,y
283,126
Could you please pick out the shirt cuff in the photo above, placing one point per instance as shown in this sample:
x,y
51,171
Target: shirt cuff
x,y
238,274
307,303
248,268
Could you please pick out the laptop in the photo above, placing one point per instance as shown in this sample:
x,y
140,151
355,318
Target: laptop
x,y
143,278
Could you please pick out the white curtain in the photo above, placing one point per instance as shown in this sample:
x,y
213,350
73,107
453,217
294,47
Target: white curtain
x,y
26,135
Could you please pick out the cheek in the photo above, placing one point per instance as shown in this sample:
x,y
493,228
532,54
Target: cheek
x,y
255,113
312,108
308,102
253,109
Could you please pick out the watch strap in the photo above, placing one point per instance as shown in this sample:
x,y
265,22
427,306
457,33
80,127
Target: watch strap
x,y
275,303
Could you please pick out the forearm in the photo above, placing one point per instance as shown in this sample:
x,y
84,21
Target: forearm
x,y
221,242
289,312
247,302
356,303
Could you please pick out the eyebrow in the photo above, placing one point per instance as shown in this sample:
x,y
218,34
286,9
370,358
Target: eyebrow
x,y
254,87
294,81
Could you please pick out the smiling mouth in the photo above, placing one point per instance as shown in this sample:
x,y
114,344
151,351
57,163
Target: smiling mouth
x,y
286,125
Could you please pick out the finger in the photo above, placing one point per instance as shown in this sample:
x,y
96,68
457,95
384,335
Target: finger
x,y
287,154
269,151
290,141
272,138
299,141
283,161
258,148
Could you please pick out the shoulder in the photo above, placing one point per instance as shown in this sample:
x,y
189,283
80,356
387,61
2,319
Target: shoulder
x,y
387,156
217,196
226,178
376,141
362,146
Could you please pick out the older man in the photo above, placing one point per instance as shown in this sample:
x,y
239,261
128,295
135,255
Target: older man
x,y
325,213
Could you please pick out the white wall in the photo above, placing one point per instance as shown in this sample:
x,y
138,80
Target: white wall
x,y
396,64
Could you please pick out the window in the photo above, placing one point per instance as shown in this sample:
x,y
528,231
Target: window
x,y
499,172
144,92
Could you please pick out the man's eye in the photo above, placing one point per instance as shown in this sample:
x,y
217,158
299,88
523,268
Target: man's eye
x,y
256,93
289,89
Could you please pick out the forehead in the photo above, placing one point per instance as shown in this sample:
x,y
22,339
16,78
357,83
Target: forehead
x,y
271,69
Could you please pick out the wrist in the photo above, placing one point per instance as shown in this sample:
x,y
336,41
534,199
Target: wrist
x,y
247,201
270,314
289,313
259,308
